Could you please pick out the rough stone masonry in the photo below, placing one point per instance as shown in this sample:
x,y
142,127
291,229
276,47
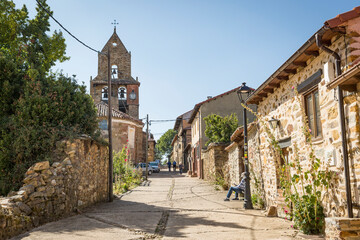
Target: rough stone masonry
x,y
53,191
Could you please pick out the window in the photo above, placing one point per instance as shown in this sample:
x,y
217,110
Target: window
x,y
122,93
114,72
313,112
311,98
131,137
103,125
122,99
104,94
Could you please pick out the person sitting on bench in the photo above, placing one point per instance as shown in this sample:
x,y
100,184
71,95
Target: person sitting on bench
x,y
238,189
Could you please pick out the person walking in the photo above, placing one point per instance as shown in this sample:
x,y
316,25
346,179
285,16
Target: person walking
x,y
174,166
238,189
169,165
181,168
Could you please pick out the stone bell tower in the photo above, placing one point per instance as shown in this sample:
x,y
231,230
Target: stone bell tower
x,y
125,89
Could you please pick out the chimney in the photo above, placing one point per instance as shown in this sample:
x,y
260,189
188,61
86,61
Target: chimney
x,y
208,97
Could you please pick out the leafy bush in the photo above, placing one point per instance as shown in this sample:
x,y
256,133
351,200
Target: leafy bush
x,y
309,214
125,175
219,129
37,108
257,201
221,181
44,114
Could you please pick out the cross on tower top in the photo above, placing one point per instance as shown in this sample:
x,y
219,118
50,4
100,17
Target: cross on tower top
x,y
115,23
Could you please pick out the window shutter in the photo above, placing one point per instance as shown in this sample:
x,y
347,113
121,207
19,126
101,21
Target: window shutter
x,y
310,82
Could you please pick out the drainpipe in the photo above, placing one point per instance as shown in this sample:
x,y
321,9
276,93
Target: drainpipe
x,y
342,123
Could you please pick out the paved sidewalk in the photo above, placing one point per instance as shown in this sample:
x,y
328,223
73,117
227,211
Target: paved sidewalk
x,y
168,206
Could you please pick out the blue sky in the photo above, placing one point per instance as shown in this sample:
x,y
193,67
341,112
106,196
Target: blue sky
x,y
186,50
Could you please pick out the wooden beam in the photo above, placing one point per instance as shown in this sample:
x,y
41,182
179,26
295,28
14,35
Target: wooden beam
x,y
275,85
312,53
262,94
290,71
299,64
326,42
268,90
256,97
340,30
283,77
349,88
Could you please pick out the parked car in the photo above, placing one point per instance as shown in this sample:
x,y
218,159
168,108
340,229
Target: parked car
x,y
143,168
155,166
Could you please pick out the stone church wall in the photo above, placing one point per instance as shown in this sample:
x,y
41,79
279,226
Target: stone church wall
x,y
53,191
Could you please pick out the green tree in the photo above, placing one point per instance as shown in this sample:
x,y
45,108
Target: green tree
x,y
163,145
219,129
37,107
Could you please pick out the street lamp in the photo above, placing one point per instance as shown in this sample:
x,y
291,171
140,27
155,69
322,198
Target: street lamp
x,y
243,93
274,122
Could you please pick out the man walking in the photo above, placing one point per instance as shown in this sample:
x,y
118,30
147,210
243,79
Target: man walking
x,y
174,166
238,189
169,165
181,168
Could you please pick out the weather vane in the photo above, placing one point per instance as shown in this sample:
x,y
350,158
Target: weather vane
x,y
115,23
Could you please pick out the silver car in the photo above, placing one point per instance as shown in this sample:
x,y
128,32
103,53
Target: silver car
x,y
155,166
143,168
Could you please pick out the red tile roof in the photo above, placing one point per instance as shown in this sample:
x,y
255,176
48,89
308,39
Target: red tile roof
x,y
343,17
102,111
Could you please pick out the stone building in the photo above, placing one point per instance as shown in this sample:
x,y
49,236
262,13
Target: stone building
x,y
182,140
325,71
223,105
126,126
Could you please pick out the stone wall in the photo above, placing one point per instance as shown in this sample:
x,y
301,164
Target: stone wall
x,y
342,228
52,191
235,163
215,160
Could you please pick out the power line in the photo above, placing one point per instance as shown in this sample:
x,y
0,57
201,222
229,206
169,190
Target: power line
x,y
157,133
170,120
66,29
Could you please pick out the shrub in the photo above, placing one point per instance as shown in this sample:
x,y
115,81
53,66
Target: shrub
x,y
257,201
221,181
46,112
219,129
125,175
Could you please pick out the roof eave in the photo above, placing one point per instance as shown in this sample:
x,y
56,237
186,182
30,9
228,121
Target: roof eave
x,y
293,57
347,80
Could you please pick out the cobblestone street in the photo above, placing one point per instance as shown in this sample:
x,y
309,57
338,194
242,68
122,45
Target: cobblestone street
x,y
167,206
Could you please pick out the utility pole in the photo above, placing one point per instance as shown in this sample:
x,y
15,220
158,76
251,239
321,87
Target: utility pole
x,y
110,130
147,145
